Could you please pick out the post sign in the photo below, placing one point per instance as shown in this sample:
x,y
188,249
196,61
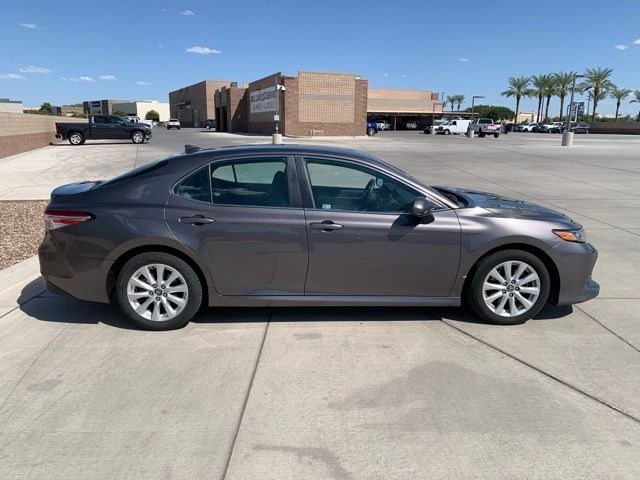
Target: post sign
x,y
263,100
579,106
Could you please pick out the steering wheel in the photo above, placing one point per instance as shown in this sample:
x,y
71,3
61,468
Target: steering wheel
x,y
367,193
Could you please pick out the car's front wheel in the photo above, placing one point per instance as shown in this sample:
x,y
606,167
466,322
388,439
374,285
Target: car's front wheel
x,y
158,291
137,137
509,287
371,131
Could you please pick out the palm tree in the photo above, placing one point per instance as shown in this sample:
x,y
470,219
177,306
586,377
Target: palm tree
x,y
636,93
518,88
619,94
459,100
563,82
540,84
597,79
451,100
551,89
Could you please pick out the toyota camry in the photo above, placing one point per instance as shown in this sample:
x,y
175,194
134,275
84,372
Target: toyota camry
x,y
295,225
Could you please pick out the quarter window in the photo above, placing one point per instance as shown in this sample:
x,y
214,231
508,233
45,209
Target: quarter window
x,y
260,183
195,186
339,186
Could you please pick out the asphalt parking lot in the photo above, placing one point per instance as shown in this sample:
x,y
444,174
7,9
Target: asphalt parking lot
x,y
318,393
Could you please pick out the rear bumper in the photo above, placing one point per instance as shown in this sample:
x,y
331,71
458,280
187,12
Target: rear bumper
x,y
59,135
80,277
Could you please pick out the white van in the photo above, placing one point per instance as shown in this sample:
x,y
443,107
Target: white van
x,y
453,126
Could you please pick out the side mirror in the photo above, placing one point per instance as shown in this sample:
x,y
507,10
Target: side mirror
x,y
421,208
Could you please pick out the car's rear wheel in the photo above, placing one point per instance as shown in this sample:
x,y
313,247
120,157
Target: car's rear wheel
x,y
447,132
137,137
509,287
158,291
371,131
76,138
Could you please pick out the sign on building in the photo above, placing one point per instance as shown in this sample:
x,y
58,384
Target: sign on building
x,y
263,100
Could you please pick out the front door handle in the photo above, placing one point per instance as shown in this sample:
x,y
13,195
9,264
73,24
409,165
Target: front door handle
x,y
197,220
325,226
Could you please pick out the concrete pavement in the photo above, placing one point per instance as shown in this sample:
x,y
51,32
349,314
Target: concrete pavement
x,y
364,393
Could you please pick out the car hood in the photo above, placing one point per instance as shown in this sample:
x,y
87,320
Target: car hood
x,y
506,206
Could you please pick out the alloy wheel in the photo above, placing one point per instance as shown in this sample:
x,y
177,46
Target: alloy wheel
x,y
157,292
75,139
511,288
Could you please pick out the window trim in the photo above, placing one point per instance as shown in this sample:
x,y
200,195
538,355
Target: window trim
x,y
307,192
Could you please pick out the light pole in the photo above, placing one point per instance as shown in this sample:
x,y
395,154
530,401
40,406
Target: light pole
x,y
433,117
567,135
470,131
277,136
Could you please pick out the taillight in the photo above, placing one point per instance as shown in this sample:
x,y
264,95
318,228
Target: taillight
x,y
61,218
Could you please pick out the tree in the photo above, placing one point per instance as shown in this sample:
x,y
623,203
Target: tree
x,y
459,99
541,85
495,112
451,100
619,94
597,79
46,107
551,89
636,93
152,115
563,82
518,88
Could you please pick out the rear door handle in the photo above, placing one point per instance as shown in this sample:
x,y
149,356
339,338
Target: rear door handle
x,y
325,226
197,220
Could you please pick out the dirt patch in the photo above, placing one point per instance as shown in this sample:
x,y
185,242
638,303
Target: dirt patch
x,y
22,227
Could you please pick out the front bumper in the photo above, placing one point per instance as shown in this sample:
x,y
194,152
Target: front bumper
x,y
575,262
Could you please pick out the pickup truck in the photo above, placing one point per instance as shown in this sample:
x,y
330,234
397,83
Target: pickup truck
x,y
103,127
485,126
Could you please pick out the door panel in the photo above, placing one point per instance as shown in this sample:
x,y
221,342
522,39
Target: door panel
x,y
248,250
381,254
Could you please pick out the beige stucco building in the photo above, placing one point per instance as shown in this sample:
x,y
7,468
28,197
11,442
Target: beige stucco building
x,y
141,108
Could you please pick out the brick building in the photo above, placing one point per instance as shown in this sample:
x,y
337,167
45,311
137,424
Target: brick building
x,y
311,103
193,105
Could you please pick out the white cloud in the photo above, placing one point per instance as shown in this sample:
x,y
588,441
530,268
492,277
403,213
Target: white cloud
x,y
34,69
29,25
386,74
636,41
86,79
462,59
164,10
187,13
621,47
108,77
141,82
202,50
11,76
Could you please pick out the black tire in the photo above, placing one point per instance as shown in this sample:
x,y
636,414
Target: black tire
x,y
473,295
168,127
194,299
371,131
481,134
178,128
496,135
137,137
447,132
76,138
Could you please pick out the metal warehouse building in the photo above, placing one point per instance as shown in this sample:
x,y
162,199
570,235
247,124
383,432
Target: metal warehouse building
x,y
309,104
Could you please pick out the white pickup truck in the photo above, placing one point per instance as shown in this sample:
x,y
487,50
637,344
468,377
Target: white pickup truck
x,y
485,126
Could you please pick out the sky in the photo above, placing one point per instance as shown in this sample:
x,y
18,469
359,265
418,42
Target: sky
x,y
143,49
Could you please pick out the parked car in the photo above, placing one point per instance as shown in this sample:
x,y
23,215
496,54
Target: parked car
x,y
372,128
384,125
526,127
291,225
151,123
173,123
411,125
580,127
454,126
485,126
543,128
210,124
103,127
132,118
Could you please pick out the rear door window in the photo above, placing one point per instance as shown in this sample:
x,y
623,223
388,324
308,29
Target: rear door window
x,y
251,182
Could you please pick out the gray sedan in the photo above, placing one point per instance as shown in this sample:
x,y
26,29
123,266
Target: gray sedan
x,y
294,225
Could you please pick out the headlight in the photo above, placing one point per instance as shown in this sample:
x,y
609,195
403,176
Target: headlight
x,y
575,235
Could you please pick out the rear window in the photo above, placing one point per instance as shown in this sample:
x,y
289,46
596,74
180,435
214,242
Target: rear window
x,y
135,172
173,119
